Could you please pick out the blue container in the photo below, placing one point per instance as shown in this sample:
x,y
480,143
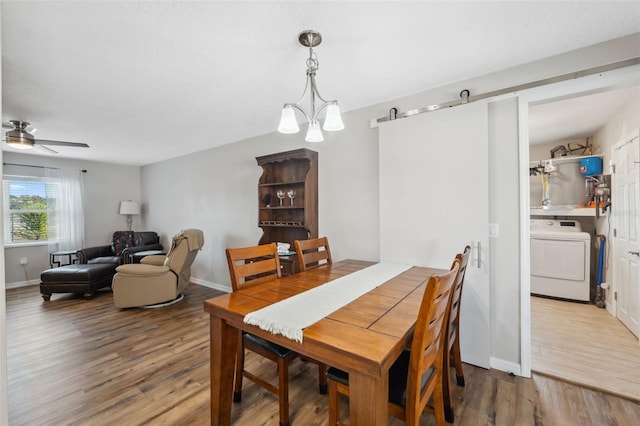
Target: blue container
x,y
591,166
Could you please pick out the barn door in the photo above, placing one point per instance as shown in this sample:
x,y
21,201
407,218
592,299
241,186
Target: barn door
x,y
434,201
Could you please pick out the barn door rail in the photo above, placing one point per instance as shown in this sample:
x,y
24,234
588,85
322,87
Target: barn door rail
x,y
465,95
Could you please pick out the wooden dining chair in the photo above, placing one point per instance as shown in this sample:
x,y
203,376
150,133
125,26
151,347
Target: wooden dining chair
x,y
312,253
250,266
452,356
416,376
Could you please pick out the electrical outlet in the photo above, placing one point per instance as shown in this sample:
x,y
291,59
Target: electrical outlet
x,y
24,260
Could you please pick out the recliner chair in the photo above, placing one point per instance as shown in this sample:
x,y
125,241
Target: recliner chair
x,y
158,279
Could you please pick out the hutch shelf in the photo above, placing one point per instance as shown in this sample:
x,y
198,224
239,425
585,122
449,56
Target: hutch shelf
x,y
288,197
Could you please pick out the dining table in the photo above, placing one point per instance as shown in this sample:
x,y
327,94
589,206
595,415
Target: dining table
x,y
363,337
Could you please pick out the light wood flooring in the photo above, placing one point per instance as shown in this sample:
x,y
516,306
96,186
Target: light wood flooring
x,y
83,362
584,344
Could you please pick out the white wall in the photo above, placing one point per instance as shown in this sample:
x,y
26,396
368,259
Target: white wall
x,y
105,185
216,189
619,126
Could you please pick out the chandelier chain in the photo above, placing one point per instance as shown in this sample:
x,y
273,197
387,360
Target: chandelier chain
x,y
312,62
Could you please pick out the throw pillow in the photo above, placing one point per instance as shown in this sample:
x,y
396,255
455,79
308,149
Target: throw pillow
x,y
121,241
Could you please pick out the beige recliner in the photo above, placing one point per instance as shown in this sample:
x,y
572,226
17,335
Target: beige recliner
x,y
158,279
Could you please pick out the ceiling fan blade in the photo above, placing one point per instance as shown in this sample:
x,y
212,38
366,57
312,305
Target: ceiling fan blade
x,y
60,143
45,148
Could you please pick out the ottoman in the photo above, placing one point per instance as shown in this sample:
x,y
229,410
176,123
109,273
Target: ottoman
x,y
77,278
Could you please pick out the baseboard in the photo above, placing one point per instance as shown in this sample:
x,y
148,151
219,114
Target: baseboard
x,y
215,286
209,284
507,366
21,284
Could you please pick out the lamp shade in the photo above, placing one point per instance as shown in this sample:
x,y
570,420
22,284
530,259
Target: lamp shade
x,y
333,120
288,122
129,207
314,134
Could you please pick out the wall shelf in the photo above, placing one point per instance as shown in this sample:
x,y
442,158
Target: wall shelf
x,y
568,211
281,208
561,160
282,224
281,183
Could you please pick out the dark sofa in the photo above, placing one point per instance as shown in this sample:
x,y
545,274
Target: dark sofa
x,y
124,244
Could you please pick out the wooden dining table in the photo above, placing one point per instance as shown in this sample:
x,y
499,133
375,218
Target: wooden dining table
x,y
364,337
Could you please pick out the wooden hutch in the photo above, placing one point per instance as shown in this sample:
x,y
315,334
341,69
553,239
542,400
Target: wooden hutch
x,y
294,215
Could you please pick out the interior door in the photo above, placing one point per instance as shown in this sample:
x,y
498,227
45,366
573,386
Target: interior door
x,y
434,201
626,207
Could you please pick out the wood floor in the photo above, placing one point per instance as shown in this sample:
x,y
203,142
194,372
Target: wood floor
x,y
584,344
83,362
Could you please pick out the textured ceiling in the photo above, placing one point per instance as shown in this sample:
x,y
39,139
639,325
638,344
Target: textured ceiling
x,y
145,81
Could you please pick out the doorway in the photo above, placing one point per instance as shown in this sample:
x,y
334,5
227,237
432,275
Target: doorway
x,y
553,96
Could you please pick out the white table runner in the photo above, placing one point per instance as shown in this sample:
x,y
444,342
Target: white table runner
x,y
290,316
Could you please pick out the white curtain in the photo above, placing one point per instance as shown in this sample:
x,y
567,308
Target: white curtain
x,y
70,208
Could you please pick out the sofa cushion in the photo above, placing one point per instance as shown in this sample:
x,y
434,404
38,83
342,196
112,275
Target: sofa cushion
x,y
115,260
76,273
122,240
145,238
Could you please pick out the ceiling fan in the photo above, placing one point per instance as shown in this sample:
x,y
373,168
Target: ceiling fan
x,y
19,137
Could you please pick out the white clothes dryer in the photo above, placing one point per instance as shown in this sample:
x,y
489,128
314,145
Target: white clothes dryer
x,y
560,259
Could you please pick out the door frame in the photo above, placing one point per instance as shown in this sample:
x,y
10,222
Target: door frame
x,y
611,80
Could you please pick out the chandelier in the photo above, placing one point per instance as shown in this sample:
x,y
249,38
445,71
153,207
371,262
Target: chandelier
x,y
332,120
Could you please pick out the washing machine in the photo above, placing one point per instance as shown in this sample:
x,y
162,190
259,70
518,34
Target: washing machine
x,y
560,259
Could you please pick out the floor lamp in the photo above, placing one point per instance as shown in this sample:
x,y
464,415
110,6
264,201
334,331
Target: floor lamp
x,y
129,208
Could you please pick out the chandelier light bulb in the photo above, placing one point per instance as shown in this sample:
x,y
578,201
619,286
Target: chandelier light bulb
x,y
288,122
314,134
333,120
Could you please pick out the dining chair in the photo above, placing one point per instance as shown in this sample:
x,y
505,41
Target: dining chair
x,y
312,253
416,376
250,266
452,351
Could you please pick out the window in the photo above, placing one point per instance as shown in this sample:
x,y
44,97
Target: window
x,y
44,206
30,210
